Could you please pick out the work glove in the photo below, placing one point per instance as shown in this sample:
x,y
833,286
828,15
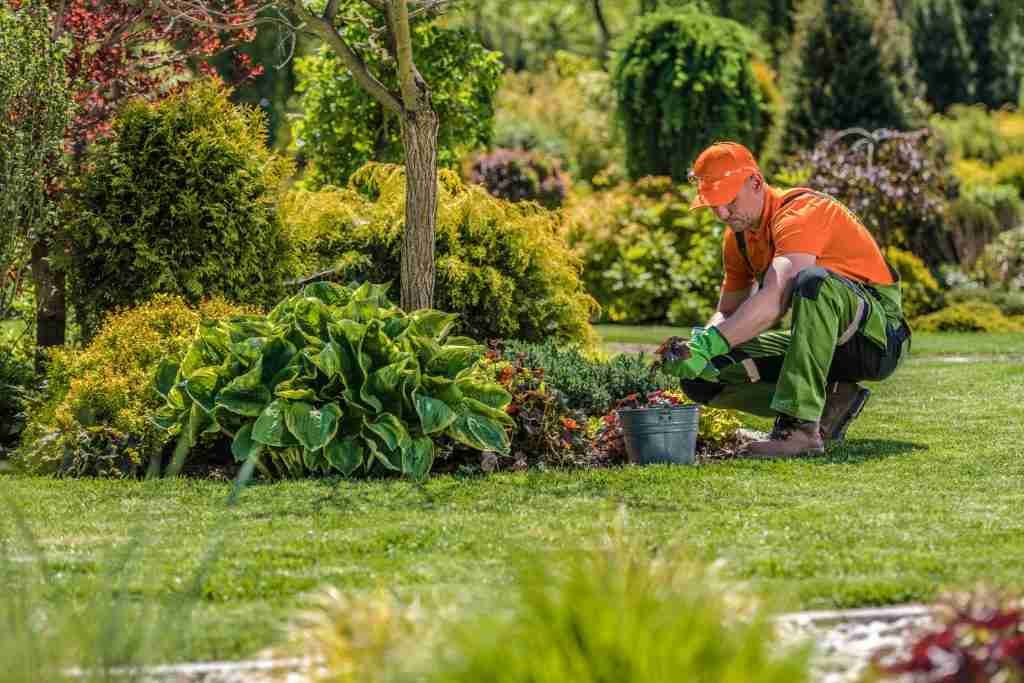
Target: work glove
x,y
694,359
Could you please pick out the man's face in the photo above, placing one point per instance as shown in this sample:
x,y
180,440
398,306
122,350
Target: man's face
x,y
743,212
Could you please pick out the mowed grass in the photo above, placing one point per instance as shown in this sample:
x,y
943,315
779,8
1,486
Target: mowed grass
x,y
927,494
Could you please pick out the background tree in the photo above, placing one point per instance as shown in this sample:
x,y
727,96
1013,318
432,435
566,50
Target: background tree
x,y
389,35
35,108
943,51
851,65
342,127
683,80
996,30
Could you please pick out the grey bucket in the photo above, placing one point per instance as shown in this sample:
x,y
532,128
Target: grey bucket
x,y
661,435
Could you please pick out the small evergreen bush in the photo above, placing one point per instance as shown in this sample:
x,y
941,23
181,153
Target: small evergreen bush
x,y
646,256
683,80
504,268
95,413
517,175
182,199
978,216
1009,301
589,384
970,316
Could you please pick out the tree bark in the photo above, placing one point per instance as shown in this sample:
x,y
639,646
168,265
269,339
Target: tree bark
x,y
51,310
419,137
602,25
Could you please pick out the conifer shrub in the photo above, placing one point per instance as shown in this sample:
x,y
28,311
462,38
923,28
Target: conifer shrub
x,y
95,414
683,80
850,65
182,199
503,267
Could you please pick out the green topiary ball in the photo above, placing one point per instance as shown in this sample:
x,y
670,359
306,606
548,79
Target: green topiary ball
x,y
683,80
182,199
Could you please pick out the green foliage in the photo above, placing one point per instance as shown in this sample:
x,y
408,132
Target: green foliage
x,y
333,380
17,383
105,635
646,256
94,416
567,111
976,217
35,109
617,612
589,384
1002,262
683,80
974,132
943,51
181,200
921,292
503,267
849,66
970,316
343,127
996,31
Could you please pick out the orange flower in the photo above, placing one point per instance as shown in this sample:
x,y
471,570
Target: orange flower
x,y
569,423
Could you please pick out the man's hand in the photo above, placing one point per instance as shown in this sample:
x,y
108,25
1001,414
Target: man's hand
x,y
693,359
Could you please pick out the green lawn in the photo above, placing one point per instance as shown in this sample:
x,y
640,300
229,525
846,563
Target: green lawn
x,y
927,493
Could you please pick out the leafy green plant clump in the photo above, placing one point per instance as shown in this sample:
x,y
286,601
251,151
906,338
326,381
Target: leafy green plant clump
x,y
970,316
334,380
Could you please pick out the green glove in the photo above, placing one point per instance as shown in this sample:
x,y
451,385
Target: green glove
x,y
701,349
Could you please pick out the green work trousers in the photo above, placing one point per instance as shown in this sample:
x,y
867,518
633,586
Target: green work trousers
x,y
787,372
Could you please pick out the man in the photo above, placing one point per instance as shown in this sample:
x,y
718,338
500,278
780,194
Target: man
x,y
801,250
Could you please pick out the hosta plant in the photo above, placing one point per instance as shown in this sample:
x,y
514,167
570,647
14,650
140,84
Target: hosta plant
x,y
334,379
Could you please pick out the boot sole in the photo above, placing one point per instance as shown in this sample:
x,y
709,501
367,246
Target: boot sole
x,y
839,433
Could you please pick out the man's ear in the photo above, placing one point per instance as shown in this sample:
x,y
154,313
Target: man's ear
x,y
756,182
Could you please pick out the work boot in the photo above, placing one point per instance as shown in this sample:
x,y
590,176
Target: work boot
x,y
843,402
790,436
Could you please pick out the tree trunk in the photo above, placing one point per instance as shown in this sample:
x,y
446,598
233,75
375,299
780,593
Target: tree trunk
x,y
419,138
51,311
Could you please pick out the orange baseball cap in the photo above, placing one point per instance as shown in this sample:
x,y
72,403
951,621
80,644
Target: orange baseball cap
x,y
720,172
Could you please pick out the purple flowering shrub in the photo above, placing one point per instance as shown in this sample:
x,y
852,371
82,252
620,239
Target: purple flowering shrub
x,y
896,183
518,175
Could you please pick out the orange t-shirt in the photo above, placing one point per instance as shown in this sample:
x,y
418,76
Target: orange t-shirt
x,y
804,221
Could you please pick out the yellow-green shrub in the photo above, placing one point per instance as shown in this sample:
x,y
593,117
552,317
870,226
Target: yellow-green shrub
x,y
972,316
96,409
921,292
503,267
1010,171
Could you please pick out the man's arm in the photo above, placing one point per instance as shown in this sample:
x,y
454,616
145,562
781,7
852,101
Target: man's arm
x,y
728,302
758,313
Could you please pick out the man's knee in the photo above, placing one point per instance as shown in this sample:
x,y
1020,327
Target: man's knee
x,y
700,391
809,281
